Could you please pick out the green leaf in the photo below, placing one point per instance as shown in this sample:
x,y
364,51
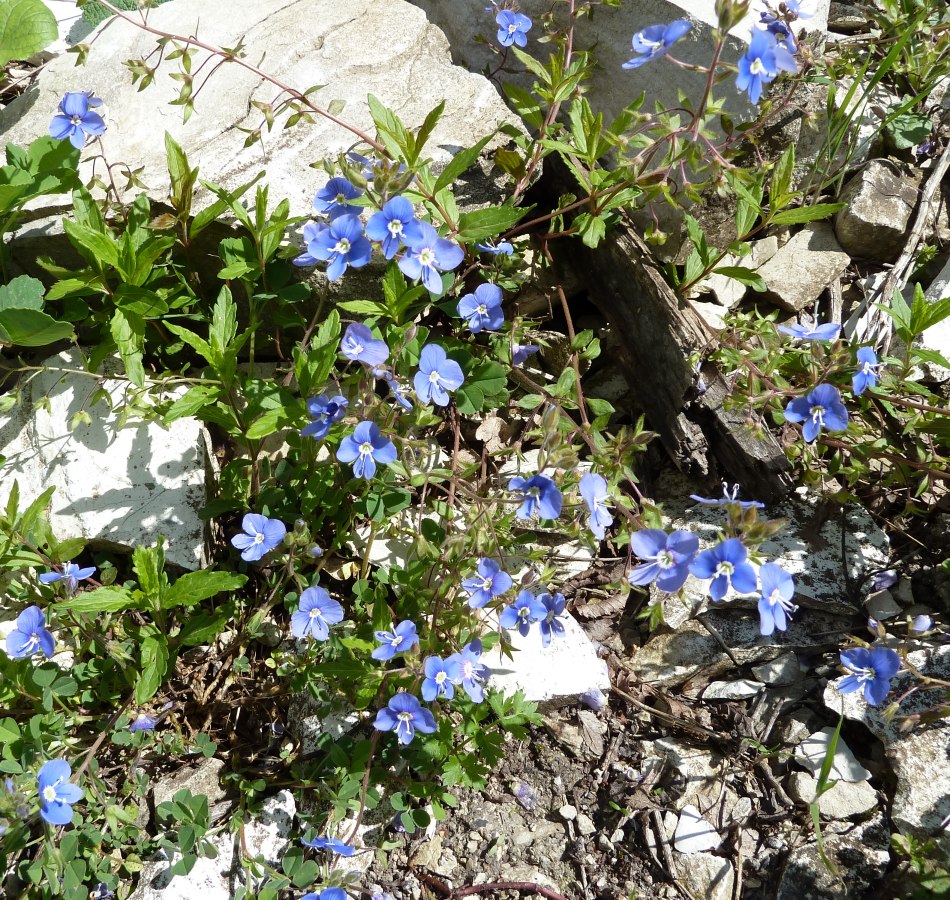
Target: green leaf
x,y
782,176
743,276
192,340
199,396
206,626
391,131
270,422
23,292
489,222
128,332
154,665
103,599
908,130
485,385
140,301
197,586
26,27
97,247
461,162
805,214
149,566
32,328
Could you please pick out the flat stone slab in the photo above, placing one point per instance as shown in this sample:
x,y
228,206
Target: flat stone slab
x,y
812,751
921,804
116,484
554,675
353,48
804,267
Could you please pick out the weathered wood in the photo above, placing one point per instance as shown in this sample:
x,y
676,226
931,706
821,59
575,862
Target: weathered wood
x,y
658,332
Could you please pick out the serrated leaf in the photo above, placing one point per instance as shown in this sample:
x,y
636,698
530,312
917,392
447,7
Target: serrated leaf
x,y
460,163
806,214
100,600
270,422
485,223
149,566
128,332
26,27
198,396
743,276
205,627
197,586
95,246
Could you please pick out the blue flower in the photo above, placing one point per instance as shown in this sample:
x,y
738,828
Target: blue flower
x,y
311,231
541,497
781,30
316,613
359,345
775,604
822,408
866,376
394,225
762,63
365,447
667,558
871,669
483,308
324,411
441,677
101,892
726,564
490,582
71,574
656,40
332,845
513,28
333,198
472,672
523,612
811,332
920,624
30,635
397,390
330,893
340,245
521,352
593,699
75,119
406,715
143,722
436,376
428,255
57,793
594,491
550,625
501,249
261,535
402,638
728,496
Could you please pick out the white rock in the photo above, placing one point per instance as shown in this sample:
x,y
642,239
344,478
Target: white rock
x,y
568,812
728,291
352,48
556,674
843,800
706,876
881,606
937,337
812,751
70,23
267,834
741,689
693,833
921,804
118,485
784,669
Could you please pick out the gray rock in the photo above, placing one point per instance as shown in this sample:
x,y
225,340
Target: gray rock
x,y
860,853
202,780
555,675
117,484
881,606
921,805
704,875
784,669
353,48
727,291
693,833
808,548
741,689
812,751
880,203
843,800
610,31
804,267
308,721
585,824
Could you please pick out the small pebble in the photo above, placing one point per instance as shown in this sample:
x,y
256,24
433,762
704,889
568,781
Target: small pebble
x,y
568,812
585,825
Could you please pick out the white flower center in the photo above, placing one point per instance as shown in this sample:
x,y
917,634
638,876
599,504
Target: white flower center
x,y
512,28
725,568
395,227
366,449
315,613
396,641
405,718
524,612
775,598
259,538
487,584
427,256
434,377
653,45
342,246
76,120
818,415
341,198
49,793
757,67
468,670
440,678
481,309
664,559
